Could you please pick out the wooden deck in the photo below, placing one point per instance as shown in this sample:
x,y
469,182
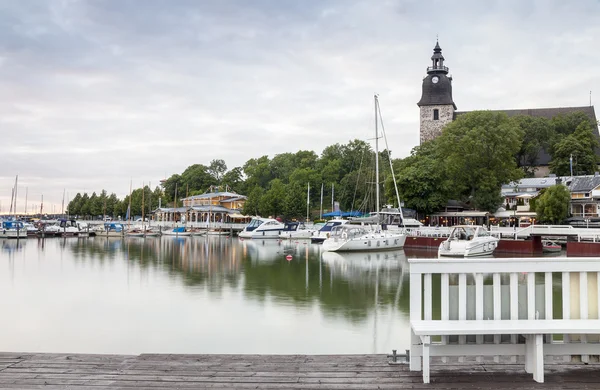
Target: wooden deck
x,y
155,371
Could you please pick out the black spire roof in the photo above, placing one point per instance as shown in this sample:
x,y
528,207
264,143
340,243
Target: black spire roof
x,y
437,86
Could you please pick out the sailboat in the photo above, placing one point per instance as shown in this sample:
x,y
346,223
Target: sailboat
x,y
13,228
367,237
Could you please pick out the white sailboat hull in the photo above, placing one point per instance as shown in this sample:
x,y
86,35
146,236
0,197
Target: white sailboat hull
x,y
370,242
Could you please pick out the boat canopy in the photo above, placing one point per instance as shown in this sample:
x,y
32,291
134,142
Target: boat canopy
x,y
352,213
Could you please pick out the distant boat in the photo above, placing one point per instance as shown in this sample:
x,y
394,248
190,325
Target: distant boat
x,y
110,229
551,246
178,231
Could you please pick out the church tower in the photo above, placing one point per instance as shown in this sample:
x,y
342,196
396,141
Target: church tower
x,y
436,104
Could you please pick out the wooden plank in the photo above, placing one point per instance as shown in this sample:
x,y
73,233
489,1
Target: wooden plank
x,y
479,305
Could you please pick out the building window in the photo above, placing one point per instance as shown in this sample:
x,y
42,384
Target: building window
x,y
436,114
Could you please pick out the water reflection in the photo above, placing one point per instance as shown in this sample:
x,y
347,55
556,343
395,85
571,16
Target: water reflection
x,y
243,296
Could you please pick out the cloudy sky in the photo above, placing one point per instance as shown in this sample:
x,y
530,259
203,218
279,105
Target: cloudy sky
x,y
96,93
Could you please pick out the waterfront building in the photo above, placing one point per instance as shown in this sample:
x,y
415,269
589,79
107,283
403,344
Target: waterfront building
x,y
217,206
437,107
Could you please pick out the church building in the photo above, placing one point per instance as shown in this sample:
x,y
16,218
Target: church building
x,y
437,108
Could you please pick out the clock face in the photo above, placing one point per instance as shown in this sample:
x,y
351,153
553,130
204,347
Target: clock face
x,y
435,79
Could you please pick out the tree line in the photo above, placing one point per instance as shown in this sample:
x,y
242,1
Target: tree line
x,y
469,162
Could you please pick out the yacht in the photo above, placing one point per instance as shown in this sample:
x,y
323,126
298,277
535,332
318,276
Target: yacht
x,y
324,233
349,237
468,241
13,229
262,228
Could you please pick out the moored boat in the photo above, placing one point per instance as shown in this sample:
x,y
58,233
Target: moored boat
x,y
178,231
550,246
13,229
468,241
351,237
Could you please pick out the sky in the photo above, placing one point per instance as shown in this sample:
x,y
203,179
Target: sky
x,y
98,94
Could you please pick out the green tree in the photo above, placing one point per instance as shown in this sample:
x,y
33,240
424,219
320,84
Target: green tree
x,y
169,185
538,135
294,204
252,204
74,206
272,202
581,147
234,180
423,183
195,179
217,169
84,210
258,172
478,149
552,206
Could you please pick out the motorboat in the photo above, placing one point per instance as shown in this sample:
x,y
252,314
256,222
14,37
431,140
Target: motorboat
x,y
468,241
550,246
288,229
350,237
302,232
270,228
325,231
262,228
178,231
13,229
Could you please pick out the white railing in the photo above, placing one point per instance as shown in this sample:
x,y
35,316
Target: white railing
x,y
507,289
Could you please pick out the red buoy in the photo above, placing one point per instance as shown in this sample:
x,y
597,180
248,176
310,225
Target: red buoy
x,y
288,257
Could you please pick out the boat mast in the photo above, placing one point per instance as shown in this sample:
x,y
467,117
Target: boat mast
x,y
26,193
376,159
143,226
175,208
321,209
129,207
307,201
16,183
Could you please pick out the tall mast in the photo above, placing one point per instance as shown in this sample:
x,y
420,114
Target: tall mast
x,y
143,205
26,193
16,183
129,207
62,209
321,209
307,201
376,160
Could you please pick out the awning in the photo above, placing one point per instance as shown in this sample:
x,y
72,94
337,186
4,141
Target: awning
x,y
237,216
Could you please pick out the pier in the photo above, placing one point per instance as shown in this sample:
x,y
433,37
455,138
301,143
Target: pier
x,y
166,371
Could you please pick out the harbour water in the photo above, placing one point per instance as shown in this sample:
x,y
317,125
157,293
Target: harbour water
x,y
199,295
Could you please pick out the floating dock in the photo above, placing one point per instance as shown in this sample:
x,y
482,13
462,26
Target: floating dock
x,y
165,371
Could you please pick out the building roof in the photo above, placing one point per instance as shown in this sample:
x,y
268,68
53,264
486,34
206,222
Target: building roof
x,y
584,183
215,195
548,113
535,182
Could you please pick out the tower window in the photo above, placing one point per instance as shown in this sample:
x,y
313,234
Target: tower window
x,y
436,114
